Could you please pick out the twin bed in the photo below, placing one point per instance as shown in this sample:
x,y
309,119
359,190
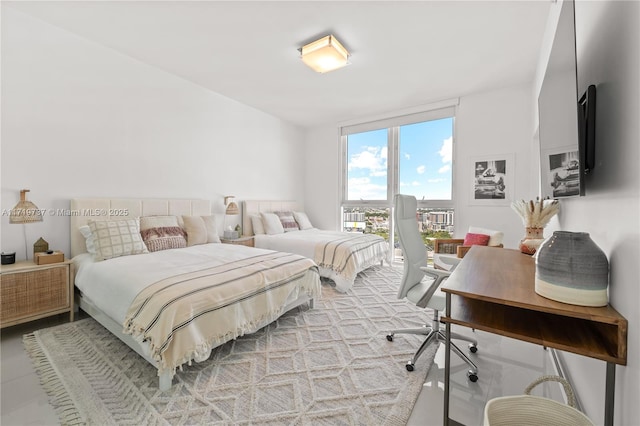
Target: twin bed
x,y
339,255
175,305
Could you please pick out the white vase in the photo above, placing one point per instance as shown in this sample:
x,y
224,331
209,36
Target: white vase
x,y
571,268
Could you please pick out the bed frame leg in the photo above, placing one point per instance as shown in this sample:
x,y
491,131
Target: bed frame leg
x,y
312,303
165,381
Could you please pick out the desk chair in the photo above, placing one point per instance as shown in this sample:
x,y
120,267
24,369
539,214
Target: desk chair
x,y
425,294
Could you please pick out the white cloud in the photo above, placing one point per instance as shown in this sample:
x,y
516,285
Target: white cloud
x,y
421,169
407,156
446,151
436,180
372,158
445,168
363,189
415,183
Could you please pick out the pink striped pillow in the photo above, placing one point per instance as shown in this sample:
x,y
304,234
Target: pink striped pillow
x,y
288,221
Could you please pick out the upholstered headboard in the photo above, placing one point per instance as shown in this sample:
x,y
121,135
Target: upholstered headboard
x,y
85,209
255,207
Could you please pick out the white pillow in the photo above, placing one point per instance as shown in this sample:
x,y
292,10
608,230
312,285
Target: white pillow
x,y
272,224
495,237
114,238
200,230
303,220
256,223
88,239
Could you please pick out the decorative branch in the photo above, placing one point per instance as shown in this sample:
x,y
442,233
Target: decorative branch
x,y
536,214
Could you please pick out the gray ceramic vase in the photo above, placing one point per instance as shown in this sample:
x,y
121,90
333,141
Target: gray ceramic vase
x,y
571,268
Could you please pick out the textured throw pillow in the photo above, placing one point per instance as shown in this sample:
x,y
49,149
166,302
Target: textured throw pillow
x,y
200,230
272,224
114,238
303,220
476,239
88,239
288,221
162,233
256,224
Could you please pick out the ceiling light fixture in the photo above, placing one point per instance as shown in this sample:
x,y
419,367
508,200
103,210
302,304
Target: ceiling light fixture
x,y
325,54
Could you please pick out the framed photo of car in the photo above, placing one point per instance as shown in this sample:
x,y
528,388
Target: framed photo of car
x,y
493,178
561,172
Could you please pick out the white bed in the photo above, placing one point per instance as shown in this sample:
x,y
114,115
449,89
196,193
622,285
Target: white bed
x,y
253,287
361,251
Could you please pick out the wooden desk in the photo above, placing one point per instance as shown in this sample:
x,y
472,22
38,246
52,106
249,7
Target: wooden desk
x,y
494,291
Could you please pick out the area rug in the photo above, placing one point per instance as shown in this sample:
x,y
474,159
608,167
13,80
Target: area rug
x,y
328,365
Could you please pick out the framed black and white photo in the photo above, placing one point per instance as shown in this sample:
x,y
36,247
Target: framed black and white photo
x,y
560,172
492,179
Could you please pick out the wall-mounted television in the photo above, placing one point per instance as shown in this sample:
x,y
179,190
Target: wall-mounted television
x,y
566,122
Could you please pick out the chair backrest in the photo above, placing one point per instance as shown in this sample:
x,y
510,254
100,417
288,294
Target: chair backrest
x,y
414,250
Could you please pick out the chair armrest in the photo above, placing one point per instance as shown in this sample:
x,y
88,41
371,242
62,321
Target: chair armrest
x,y
446,245
438,276
462,250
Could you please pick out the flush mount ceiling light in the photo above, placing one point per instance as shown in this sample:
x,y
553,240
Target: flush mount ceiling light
x,y
325,54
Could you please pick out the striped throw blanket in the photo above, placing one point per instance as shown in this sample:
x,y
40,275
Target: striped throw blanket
x,y
184,316
348,254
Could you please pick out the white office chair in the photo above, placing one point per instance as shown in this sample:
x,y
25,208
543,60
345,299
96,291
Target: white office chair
x,y
424,294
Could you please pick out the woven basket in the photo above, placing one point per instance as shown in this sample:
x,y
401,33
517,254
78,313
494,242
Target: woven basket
x,y
529,410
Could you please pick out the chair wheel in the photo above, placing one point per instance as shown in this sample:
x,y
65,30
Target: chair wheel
x,y
472,376
473,348
409,366
390,337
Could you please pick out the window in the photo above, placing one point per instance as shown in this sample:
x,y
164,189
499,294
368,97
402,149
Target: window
x,y
411,154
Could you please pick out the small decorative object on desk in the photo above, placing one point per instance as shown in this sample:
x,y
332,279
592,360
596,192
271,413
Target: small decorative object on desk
x,y
571,268
535,216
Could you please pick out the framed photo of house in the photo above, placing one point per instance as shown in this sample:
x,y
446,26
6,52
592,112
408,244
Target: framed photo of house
x,y
493,179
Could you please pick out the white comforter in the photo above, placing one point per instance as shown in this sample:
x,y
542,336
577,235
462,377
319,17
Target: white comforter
x,y
307,242
113,284
184,302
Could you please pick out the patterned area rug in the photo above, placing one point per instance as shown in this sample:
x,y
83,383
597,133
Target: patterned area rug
x,y
328,365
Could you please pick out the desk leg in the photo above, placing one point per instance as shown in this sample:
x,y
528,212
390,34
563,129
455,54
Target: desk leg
x,y
447,360
609,394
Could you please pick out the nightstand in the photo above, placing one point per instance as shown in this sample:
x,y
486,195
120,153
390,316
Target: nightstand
x,y
242,241
31,291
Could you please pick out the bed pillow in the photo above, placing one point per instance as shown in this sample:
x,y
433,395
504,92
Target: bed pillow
x,y
88,239
303,220
472,239
272,224
114,238
288,221
162,233
256,224
200,230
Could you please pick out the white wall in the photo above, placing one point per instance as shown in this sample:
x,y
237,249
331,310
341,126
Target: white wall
x,y
81,120
496,122
608,53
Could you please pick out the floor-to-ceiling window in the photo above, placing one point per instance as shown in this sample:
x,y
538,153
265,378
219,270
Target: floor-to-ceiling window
x,y
410,154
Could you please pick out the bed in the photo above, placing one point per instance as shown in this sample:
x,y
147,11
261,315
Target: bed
x,y
173,306
340,256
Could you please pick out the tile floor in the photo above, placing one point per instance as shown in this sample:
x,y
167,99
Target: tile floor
x,y
506,367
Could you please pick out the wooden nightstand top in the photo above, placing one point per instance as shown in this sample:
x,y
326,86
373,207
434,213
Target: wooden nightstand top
x,y
245,241
30,265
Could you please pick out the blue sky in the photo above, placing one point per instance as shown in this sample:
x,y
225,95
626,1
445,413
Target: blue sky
x,y
425,162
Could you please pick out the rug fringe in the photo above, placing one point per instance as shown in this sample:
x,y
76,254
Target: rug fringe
x,y
59,398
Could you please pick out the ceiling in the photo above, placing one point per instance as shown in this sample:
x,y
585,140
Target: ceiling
x,y
404,54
